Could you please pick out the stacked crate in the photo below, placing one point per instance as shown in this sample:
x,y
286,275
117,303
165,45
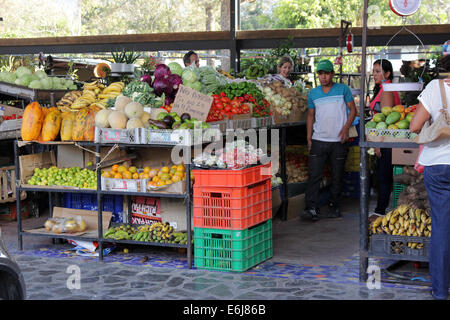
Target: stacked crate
x,y
232,218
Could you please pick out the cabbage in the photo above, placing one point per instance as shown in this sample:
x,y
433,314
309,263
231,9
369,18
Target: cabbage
x,y
194,85
41,74
175,68
161,71
72,87
22,71
46,83
188,76
162,86
10,77
68,82
35,84
24,80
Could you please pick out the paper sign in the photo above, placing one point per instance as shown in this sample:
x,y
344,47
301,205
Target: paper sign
x,y
193,102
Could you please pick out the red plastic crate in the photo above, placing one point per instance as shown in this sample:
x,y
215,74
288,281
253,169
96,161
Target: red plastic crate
x,y
231,178
232,208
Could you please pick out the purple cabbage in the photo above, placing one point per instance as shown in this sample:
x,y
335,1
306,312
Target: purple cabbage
x,y
161,86
147,78
161,71
175,81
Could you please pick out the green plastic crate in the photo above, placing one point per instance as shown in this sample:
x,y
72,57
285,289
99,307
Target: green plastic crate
x,y
232,250
398,187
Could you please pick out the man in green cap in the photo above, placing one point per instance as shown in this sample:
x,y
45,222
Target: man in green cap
x,y
327,126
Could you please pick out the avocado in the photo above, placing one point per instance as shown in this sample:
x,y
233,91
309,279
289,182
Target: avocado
x,y
185,116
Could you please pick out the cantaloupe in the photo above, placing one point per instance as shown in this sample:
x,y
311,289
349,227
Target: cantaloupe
x,y
134,110
117,120
144,118
134,123
101,118
121,102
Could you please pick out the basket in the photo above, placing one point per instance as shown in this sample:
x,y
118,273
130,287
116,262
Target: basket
x,y
108,135
231,178
232,208
397,187
261,122
389,246
229,250
8,185
390,135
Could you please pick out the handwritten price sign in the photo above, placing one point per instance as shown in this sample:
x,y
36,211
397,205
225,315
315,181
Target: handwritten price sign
x,y
193,102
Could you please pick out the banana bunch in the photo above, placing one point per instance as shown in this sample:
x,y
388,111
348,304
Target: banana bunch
x,y
65,103
122,232
226,74
111,91
404,221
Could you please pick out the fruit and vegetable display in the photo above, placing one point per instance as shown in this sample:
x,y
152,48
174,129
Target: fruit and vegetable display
x,y
223,108
296,167
156,232
390,120
234,156
70,177
142,92
27,77
414,193
65,225
284,99
404,221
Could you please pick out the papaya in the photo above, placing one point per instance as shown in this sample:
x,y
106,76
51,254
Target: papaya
x,y
89,131
402,115
399,109
379,117
381,125
32,121
51,126
404,124
393,117
386,110
80,124
68,119
371,124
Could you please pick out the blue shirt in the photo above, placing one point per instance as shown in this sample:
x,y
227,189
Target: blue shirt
x,y
330,111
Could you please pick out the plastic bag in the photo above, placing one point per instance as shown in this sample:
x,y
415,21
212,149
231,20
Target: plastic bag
x,y
65,225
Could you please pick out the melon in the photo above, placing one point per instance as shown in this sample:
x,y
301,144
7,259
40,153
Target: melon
x,y
117,120
134,110
101,118
121,102
134,123
144,118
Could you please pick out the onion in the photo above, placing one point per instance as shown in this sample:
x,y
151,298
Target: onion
x,y
162,86
161,71
147,78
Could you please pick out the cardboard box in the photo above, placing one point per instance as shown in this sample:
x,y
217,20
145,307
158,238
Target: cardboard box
x,y
174,212
405,156
27,164
296,206
70,155
295,116
90,217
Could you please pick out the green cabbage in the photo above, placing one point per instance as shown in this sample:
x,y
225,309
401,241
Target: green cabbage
x,y
188,76
10,77
41,74
22,71
46,83
35,84
175,68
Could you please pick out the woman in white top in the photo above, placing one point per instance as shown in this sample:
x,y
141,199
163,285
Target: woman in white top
x,y
284,68
435,157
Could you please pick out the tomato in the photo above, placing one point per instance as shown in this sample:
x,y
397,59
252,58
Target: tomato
x,y
219,105
234,110
227,108
223,94
225,100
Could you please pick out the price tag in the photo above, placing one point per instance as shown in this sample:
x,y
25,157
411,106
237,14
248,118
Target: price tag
x,y
193,102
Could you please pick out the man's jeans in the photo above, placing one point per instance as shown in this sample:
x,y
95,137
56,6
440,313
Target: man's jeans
x,y
437,183
318,156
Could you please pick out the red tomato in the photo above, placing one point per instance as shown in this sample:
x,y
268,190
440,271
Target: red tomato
x,y
227,109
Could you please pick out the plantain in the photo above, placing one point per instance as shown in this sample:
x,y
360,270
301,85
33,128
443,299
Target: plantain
x,y
384,221
377,222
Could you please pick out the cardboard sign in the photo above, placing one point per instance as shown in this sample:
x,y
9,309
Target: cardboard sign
x,y
145,210
193,102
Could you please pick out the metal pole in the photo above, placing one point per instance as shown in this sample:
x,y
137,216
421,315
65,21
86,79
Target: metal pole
x,y
234,25
187,158
363,220
18,192
99,206
284,186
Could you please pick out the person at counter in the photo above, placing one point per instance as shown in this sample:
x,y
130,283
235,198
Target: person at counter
x,y
327,128
284,69
383,73
190,58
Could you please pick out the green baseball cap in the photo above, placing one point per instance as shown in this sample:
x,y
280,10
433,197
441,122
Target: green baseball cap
x,y
325,65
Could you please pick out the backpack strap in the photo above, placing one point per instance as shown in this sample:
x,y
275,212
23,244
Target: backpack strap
x,y
444,110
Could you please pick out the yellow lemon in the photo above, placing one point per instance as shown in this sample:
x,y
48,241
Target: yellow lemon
x,y
165,169
132,169
106,174
135,175
155,179
147,170
121,169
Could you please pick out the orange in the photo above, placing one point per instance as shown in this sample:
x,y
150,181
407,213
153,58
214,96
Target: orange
x,y
181,168
147,169
145,176
127,175
165,177
168,182
155,179
153,173
151,183
115,167
165,169
132,169
121,169
174,167
179,174
118,176
176,178
135,175
160,183
160,174
140,175
106,174
173,171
